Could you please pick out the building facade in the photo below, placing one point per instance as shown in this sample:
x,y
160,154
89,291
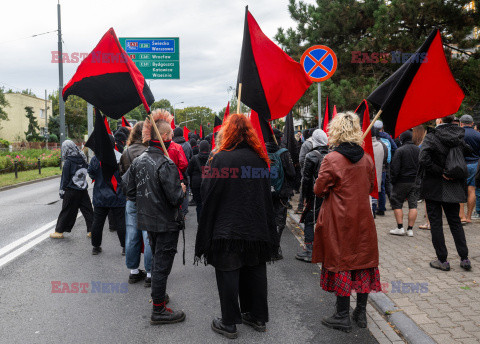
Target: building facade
x,y
14,128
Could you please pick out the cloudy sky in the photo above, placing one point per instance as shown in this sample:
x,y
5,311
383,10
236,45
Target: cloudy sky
x,y
210,34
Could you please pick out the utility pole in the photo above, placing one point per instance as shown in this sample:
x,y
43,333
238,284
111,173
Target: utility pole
x,y
90,125
46,121
61,104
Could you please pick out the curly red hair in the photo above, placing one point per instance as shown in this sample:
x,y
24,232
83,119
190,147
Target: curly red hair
x,y
236,129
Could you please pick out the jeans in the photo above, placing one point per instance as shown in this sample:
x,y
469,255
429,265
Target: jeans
x,y
374,205
133,241
197,197
164,248
382,200
99,216
451,210
247,284
477,203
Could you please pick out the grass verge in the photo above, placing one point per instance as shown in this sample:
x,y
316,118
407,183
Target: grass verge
x,y
25,176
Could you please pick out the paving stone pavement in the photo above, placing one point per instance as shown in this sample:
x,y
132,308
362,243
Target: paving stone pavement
x,y
445,305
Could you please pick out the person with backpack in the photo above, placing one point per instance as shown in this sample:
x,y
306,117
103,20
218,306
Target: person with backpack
x,y
194,171
313,161
305,148
444,186
282,181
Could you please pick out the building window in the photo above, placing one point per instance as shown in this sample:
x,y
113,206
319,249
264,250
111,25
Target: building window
x,y
42,113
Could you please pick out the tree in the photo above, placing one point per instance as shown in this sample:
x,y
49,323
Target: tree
x,y
196,116
75,116
378,26
28,92
31,134
3,105
139,112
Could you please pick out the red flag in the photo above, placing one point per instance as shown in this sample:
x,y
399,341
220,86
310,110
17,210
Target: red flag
x,y
195,132
185,133
216,128
334,111
105,120
172,123
326,117
109,80
272,82
125,123
422,89
363,113
201,132
227,112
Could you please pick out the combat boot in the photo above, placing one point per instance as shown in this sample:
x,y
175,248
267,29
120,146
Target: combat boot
x,y
341,319
359,314
164,315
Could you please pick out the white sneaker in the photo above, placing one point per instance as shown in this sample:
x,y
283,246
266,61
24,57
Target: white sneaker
x,y
397,231
409,232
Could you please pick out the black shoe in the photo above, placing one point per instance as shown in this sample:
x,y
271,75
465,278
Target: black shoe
x,y
437,264
229,331
123,251
299,210
96,250
289,205
380,213
134,278
341,319
191,203
112,229
148,282
259,326
465,264
305,255
164,315
359,314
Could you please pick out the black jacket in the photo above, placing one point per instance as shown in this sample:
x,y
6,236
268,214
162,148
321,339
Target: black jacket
x,y
103,194
404,166
310,170
433,154
154,184
288,170
74,173
187,149
194,170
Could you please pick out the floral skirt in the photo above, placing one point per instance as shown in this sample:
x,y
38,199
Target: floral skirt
x,y
343,282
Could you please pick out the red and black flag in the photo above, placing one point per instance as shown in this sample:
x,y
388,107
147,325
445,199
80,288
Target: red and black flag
x,y
216,128
125,123
105,120
227,112
262,128
109,80
289,138
327,117
422,89
100,143
363,113
272,82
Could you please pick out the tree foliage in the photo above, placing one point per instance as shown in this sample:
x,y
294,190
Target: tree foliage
x,y
32,134
196,116
379,26
3,105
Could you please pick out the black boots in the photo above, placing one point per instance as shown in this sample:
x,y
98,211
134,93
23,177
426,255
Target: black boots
x,y
164,315
229,331
359,315
341,319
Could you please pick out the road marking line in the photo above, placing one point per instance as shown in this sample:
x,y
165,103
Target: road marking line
x,y
9,257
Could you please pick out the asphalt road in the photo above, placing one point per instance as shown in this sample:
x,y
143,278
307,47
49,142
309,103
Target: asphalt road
x,y
31,313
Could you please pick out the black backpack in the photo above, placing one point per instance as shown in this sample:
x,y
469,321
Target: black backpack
x,y
455,165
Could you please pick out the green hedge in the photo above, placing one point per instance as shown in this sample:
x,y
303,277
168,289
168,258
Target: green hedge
x,y
28,159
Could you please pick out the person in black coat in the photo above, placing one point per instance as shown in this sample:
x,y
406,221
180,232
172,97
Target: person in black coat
x,y
194,171
121,137
153,182
193,144
237,233
441,191
73,191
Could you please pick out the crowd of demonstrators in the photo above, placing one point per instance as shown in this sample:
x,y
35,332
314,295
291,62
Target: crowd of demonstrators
x,y
73,191
403,171
237,232
194,172
282,181
443,186
472,138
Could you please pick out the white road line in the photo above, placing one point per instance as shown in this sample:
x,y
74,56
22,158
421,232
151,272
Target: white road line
x,y
18,243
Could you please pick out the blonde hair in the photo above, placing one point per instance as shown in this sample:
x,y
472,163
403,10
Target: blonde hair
x,y
345,127
158,115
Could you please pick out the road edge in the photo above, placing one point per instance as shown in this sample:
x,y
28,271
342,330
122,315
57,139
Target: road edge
x,y
390,313
9,187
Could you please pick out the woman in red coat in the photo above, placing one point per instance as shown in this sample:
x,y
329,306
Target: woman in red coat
x,y
345,235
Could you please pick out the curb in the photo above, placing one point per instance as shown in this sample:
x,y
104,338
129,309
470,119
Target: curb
x,y
8,187
408,329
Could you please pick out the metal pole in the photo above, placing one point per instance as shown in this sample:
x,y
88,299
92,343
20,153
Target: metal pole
x,y
319,87
46,121
90,124
61,104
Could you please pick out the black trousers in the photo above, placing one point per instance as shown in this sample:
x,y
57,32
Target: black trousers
x,y
73,200
249,284
197,197
434,211
280,209
164,248
118,219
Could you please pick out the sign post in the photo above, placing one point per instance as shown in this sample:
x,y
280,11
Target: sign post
x,y
319,62
156,58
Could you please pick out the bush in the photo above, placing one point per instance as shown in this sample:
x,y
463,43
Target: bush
x,y
28,159
4,143
53,138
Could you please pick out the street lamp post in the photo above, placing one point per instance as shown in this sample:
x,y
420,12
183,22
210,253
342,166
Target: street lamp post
x,y
174,107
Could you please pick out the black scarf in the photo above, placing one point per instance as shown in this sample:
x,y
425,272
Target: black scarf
x,y
351,151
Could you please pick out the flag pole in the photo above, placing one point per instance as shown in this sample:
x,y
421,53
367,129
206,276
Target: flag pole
x,y
158,134
371,124
239,97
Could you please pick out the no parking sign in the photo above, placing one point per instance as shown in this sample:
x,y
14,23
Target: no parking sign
x,y
319,62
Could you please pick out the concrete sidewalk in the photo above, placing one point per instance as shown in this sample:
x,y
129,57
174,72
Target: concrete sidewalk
x,y
444,305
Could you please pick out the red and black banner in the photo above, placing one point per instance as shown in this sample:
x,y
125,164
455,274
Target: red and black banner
x,y
272,82
99,142
363,113
109,80
289,138
422,89
262,128
125,123
216,128
107,125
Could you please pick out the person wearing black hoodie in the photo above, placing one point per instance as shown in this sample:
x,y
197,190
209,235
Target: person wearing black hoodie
x,y
403,172
121,137
73,191
441,191
193,144
187,149
194,171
